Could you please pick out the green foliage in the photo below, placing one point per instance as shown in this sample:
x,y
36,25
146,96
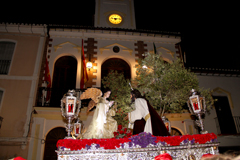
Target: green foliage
x,y
120,93
166,85
207,93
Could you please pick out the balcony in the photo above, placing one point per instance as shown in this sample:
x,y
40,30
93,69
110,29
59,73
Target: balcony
x,y
51,97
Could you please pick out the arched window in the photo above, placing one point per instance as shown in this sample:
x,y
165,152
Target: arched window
x,y
64,78
6,52
116,64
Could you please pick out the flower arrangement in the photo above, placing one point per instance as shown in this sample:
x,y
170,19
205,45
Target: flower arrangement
x,y
72,144
184,140
142,139
122,132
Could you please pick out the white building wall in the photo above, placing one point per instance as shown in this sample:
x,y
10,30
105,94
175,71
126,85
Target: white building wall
x,y
229,84
232,87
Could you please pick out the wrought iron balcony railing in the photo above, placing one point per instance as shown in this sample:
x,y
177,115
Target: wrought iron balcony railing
x,y
51,97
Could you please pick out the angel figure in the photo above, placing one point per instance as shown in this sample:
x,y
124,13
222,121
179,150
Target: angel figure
x,y
102,124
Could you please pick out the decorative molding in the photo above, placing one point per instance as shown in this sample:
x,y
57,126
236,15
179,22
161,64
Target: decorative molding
x,y
122,35
140,51
36,141
61,44
27,78
116,44
177,116
177,152
168,51
14,141
49,113
23,28
33,88
89,53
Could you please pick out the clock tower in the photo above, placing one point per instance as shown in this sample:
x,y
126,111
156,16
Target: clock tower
x,y
115,14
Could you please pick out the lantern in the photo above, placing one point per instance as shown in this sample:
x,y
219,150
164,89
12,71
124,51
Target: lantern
x,y
197,106
196,103
70,106
167,123
77,127
89,65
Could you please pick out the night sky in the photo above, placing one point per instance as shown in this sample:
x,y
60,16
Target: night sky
x,y
202,38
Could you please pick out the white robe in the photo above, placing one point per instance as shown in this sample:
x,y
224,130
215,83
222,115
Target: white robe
x,y
140,112
97,128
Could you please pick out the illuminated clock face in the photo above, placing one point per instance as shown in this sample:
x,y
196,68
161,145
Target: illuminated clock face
x,y
115,18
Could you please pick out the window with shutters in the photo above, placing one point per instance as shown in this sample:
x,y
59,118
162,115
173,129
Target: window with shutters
x,y
6,53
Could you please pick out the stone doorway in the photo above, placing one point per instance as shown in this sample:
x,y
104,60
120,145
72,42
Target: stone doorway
x,y
51,140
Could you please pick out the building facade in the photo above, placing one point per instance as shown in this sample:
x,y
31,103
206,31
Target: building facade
x,y
22,49
31,124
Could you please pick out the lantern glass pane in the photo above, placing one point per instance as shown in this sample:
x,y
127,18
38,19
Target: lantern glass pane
x,y
70,105
195,103
189,104
77,128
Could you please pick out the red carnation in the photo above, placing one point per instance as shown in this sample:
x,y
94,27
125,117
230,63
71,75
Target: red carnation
x,y
115,134
119,127
129,134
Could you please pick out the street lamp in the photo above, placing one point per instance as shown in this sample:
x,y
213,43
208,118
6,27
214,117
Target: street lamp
x,y
197,106
89,65
70,107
